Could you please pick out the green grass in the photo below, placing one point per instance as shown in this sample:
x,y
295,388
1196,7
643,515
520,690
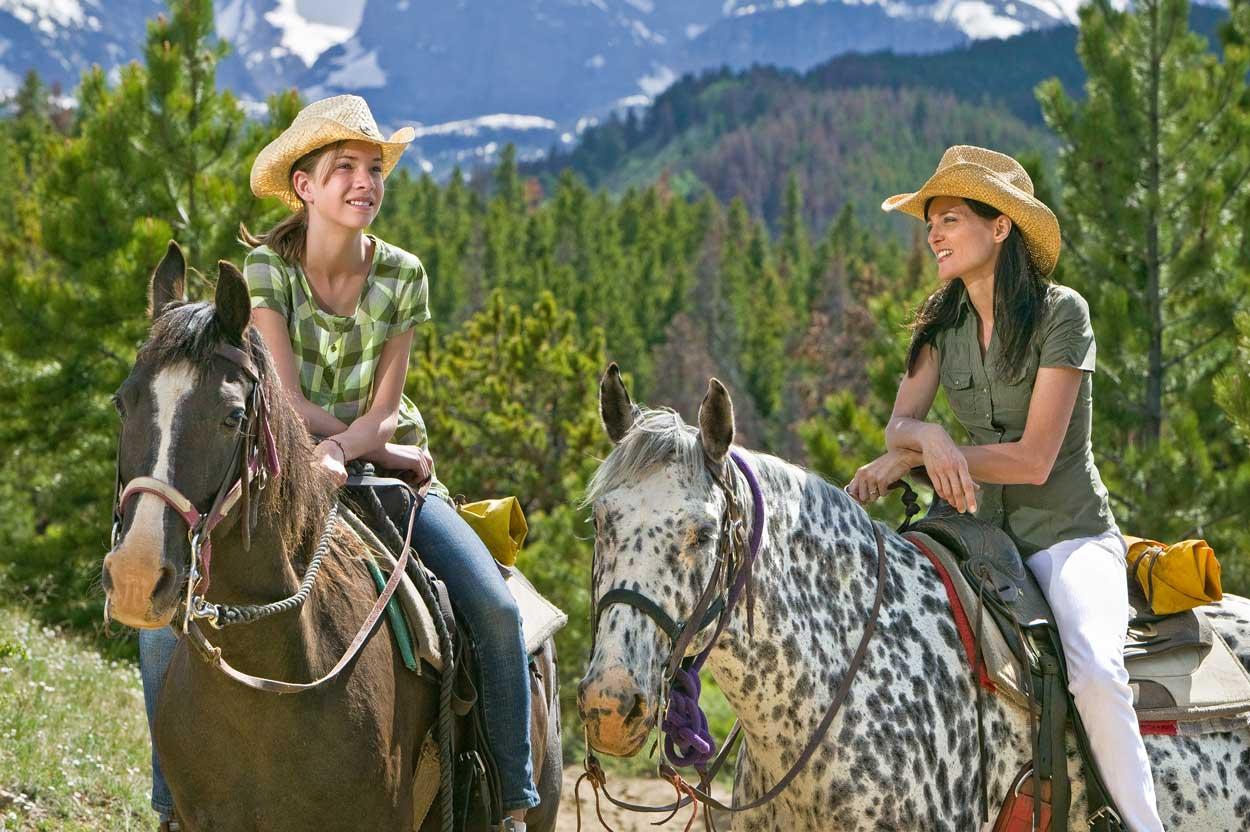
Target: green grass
x,y
74,741
73,738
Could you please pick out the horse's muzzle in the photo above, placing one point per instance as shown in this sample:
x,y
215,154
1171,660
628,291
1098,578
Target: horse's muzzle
x,y
138,592
617,714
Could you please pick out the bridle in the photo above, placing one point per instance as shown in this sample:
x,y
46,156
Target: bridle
x,y
734,566
255,461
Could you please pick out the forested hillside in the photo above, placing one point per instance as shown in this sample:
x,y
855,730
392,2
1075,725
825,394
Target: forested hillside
x,y
538,281
851,128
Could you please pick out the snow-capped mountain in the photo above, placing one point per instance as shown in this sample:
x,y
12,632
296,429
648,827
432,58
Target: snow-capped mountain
x,y
473,74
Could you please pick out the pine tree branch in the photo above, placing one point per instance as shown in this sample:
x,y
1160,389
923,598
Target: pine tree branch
x,y
1199,181
1199,347
1180,152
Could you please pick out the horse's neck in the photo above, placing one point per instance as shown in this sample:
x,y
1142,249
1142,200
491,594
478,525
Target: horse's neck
x,y
257,574
813,585
286,645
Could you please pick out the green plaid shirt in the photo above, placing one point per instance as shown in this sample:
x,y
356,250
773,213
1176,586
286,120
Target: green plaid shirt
x,y
338,354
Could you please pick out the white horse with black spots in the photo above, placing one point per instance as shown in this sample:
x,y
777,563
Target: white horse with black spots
x,y
902,754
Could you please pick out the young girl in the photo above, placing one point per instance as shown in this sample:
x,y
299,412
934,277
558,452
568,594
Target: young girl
x,y
1015,354
337,308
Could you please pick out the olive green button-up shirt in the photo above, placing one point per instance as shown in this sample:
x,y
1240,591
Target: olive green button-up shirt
x,y
1073,501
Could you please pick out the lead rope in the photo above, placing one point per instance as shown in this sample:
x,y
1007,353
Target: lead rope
x,y
224,615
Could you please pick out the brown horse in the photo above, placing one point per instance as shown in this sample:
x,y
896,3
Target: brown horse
x,y
342,756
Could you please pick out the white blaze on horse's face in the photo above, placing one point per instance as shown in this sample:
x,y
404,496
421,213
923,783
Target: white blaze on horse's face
x,y
658,538
138,582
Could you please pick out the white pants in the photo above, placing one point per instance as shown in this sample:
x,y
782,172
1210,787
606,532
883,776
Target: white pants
x,y
1084,581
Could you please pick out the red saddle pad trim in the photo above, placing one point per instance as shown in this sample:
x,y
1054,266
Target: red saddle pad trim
x,y
966,635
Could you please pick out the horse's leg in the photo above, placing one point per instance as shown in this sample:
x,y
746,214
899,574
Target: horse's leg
x,y
548,755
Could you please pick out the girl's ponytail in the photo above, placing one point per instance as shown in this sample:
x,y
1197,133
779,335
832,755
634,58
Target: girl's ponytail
x,y
287,238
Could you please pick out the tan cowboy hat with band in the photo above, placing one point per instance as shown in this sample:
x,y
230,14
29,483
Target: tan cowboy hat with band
x,y
995,179
343,118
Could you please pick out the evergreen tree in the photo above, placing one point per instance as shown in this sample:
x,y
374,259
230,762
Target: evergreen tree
x,y
1155,170
163,154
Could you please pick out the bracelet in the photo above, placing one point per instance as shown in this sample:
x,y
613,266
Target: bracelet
x,y
342,452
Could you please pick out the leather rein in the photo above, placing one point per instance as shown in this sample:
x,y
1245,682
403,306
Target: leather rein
x,y
255,461
737,566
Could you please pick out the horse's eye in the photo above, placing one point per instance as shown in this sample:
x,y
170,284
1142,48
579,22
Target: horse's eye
x,y
235,418
705,535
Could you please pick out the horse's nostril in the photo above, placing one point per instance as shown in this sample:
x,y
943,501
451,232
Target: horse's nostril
x,y
636,713
163,583
106,579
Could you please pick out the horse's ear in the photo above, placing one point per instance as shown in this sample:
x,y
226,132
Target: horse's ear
x,y
234,306
716,421
615,407
169,281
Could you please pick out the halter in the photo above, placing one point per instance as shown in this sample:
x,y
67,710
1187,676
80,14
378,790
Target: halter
x,y
253,463
686,739
249,460
687,678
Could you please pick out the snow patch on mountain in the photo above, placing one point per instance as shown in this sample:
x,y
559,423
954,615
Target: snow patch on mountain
x,y
474,126
234,18
9,83
1065,10
49,13
356,68
302,37
658,81
978,19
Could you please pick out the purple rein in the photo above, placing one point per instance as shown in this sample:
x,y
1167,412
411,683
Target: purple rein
x,y
687,738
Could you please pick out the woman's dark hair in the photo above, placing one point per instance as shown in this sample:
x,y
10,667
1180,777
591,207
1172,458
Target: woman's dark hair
x,y
289,236
1019,303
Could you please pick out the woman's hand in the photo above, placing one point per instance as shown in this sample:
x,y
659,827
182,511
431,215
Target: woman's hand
x,y
871,481
948,470
328,456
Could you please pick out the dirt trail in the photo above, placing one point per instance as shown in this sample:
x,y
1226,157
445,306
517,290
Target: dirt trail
x,y
650,790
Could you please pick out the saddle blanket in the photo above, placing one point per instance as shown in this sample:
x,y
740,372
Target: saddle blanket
x,y
1197,688
540,619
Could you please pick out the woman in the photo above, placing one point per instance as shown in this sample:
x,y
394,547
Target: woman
x,y
1015,354
337,308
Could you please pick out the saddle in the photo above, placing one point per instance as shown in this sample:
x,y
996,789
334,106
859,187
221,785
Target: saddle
x,y
1182,673
380,508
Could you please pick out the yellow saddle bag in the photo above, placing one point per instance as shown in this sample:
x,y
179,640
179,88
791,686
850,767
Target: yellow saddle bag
x,y
1177,577
500,523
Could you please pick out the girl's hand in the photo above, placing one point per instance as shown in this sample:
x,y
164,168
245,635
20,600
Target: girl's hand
x,y
871,481
406,458
328,456
948,470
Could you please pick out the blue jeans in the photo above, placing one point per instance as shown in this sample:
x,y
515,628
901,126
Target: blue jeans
x,y
457,555
156,648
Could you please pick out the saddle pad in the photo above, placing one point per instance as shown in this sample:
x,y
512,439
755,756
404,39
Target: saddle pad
x,y
1191,689
540,619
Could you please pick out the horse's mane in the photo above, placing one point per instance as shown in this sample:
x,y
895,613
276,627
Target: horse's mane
x,y
295,503
657,437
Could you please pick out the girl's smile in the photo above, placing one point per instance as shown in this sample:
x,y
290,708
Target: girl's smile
x,y
347,187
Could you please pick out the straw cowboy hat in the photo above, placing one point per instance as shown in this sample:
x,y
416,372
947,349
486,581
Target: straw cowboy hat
x,y
997,180
338,119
